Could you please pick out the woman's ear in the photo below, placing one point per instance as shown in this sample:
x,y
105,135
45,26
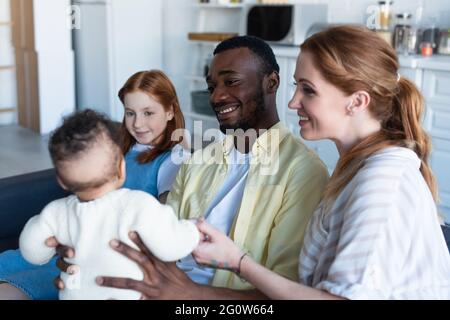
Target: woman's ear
x,y
360,101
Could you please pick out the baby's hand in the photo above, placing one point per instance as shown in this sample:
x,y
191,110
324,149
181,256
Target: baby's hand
x,y
203,236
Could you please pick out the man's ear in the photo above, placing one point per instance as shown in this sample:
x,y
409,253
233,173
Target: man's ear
x,y
61,183
273,82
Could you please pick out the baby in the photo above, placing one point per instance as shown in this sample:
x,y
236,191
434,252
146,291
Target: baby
x,y
89,163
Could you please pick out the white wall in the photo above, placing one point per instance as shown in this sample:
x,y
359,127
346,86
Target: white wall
x,y
178,20
7,77
138,37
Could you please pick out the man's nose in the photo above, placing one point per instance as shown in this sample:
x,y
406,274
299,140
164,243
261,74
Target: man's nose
x,y
219,94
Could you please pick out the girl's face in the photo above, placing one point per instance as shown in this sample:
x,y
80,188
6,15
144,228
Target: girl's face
x,y
145,117
322,107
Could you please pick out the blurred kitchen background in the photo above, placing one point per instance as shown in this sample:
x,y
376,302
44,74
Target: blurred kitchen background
x,y
57,56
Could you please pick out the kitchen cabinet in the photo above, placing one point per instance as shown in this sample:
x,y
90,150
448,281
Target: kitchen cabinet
x,y
413,74
436,90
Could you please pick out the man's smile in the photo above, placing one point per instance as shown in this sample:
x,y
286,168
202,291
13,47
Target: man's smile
x,y
226,111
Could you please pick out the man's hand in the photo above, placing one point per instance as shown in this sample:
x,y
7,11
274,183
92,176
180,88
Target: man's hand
x,y
62,252
162,280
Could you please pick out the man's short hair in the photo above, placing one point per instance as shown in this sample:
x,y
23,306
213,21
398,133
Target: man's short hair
x,y
256,45
78,133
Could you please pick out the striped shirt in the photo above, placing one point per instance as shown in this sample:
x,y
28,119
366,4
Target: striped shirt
x,y
381,238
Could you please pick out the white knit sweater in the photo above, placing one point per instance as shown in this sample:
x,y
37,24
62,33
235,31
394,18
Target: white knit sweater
x,y
88,227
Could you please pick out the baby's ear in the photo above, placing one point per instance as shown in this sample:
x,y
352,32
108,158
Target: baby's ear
x,y
122,170
61,183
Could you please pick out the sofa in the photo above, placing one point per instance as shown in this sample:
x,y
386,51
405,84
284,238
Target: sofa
x,y
24,196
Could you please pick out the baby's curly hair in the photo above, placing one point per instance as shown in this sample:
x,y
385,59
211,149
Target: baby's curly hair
x,y
78,134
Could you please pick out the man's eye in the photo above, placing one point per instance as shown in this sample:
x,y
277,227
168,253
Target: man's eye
x,y
210,89
231,82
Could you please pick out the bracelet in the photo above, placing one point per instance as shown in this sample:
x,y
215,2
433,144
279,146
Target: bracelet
x,y
238,270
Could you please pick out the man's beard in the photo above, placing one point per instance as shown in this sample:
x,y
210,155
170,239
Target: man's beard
x,y
253,118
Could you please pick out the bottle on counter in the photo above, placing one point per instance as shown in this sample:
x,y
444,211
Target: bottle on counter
x,y
426,49
402,33
384,18
431,33
383,21
444,42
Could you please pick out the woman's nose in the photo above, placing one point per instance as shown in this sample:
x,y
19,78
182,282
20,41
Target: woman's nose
x,y
295,102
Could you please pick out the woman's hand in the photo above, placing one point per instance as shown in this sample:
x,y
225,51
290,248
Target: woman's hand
x,y
62,252
216,249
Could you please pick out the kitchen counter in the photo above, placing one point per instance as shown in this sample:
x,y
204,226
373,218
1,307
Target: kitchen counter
x,y
435,62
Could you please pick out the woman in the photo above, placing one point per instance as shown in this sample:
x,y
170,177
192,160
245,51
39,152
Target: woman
x,y
376,233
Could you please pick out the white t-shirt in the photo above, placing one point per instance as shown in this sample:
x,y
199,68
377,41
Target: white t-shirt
x,y
381,238
222,210
88,227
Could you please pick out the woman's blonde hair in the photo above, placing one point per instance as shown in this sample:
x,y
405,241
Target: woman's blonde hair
x,y
354,58
157,85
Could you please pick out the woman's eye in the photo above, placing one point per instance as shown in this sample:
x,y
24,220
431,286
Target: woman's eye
x,y
148,114
295,83
308,91
210,89
129,114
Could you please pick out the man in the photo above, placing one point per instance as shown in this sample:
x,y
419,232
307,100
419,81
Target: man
x,y
261,189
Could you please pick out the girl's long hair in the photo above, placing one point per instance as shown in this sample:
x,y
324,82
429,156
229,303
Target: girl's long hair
x,y
355,58
157,85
